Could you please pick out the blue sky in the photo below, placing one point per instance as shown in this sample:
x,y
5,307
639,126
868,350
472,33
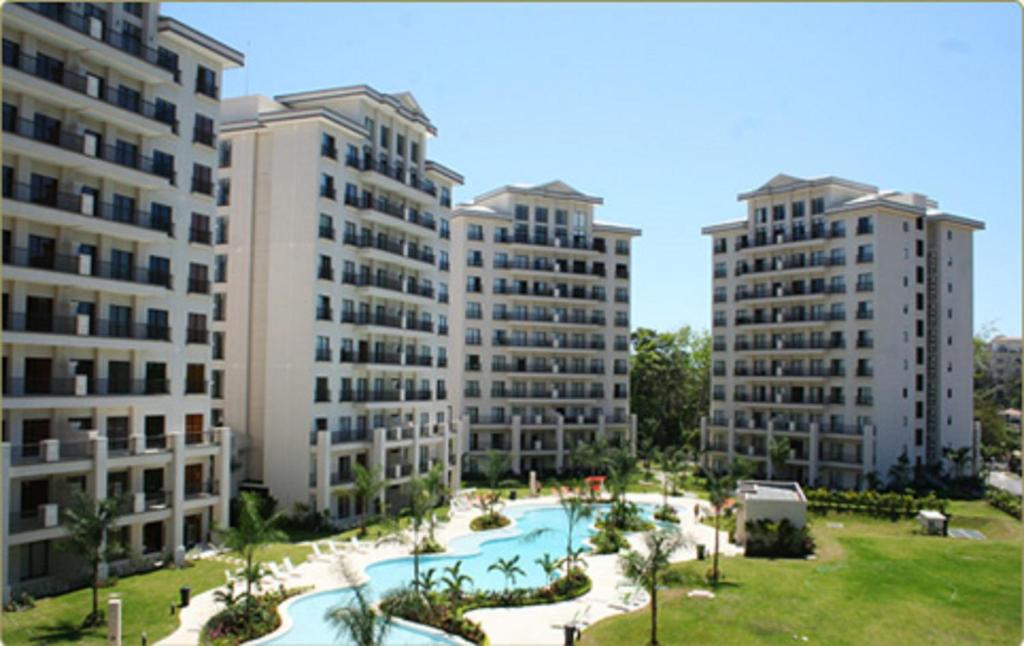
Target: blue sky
x,y
669,110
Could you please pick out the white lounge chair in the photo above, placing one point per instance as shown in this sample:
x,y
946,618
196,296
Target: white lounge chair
x,y
333,547
289,568
319,555
275,571
355,545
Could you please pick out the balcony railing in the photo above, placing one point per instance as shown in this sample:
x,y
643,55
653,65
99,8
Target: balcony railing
x,y
85,206
202,489
82,85
37,131
83,325
198,286
197,335
85,266
62,13
82,386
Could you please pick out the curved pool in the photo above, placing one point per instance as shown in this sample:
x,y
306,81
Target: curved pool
x,y
477,551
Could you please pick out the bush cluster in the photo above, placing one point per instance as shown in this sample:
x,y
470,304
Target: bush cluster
x,y
891,504
241,621
666,514
447,613
1004,501
488,521
608,540
781,539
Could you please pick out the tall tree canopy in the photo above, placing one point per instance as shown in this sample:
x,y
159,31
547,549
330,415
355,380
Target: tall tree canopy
x,y
670,384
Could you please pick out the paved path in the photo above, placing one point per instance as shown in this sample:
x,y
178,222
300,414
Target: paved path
x,y
1005,480
533,625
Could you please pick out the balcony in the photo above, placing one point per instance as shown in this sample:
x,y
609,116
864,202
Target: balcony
x,y
81,84
817,235
203,489
202,186
207,87
324,314
84,265
199,235
328,192
196,387
370,396
379,358
204,136
326,232
84,325
85,206
54,136
197,335
580,244
82,385
198,286
63,14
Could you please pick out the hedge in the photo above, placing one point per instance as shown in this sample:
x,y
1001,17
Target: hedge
x,y
1003,501
891,504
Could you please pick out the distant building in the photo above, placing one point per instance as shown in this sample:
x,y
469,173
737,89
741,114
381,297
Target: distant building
x,y
1004,358
842,320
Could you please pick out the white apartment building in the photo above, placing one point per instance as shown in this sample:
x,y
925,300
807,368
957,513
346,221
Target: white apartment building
x,y
331,294
541,322
110,116
1004,358
842,320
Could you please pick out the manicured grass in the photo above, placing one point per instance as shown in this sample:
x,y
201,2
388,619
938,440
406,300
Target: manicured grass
x,y
147,597
875,581
146,600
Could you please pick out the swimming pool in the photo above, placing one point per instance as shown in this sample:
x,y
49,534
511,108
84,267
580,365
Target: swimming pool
x,y
477,551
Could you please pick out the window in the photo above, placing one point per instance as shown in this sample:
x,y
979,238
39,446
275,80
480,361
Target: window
x,y
199,229
327,188
472,336
224,191
203,131
219,305
778,212
796,209
198,278
328,147
206,82
865,253
224,156
864,225
817,205
220,232
202,179
400,144
385,137
220,268
475,232
134,8
163,164
522,212
414,152
473,310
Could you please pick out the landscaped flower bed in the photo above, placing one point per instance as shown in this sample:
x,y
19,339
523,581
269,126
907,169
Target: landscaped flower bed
x,y
445,611
242,620
488,521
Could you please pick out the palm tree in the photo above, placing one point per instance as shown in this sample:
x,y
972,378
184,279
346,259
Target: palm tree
x,y
454,581
437,490
576,509
651,570
778,453
368,485
957,458
89,523
550,566
357,620
509,568
671,464
427,582
621,466
419,507
252,532
720,489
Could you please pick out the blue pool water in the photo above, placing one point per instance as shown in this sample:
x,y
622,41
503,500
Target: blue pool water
x,y
477,552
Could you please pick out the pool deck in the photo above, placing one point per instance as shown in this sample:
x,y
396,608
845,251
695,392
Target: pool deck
x,y
530,625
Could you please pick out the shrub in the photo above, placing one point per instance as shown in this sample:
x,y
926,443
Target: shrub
x,y
22,602
428,546
488,521
1004,501
608,541
891,504
241,621
666,514
781,539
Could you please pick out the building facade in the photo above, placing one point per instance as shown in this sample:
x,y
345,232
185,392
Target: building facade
x,y
110,121
331,295
842,321
1004,358
541,322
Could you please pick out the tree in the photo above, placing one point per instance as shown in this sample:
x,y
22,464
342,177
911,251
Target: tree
x,y
899,473
494,467
436,490
252,532
357,620
958,458
672,464
509,568
621,466
427,582
670,383
89,523
576,509
419,507
368,485
549,564
720,489
455,581
589,457
650,570
778,453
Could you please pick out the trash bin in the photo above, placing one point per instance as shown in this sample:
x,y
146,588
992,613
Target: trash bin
x,y
512,494
186,596
570,634
700,551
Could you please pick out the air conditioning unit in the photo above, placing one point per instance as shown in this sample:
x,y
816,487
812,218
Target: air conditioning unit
x,y
579,419
90,144
779,290
792,426
398,470
779,344
537,419
779,371
558,242
95,27
780,238
87,204
779,318
554,368
85,264
82,324
81,385
92,85
778,398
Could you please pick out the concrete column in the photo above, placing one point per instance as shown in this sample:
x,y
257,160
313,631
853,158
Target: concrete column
x,y
323,471
602,433
812,475
768,450
5,522
381,453
223,467
867,455
731,440
560,444
632,435
416,449
99,477
517,451
178,496
446,436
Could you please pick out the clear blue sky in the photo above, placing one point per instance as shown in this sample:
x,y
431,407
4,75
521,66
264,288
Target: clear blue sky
x,y
669,110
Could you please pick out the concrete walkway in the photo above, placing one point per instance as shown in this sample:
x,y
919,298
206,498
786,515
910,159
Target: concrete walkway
x,y
533,625
1005,480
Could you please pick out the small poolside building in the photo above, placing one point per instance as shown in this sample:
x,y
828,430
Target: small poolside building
x,y
771,500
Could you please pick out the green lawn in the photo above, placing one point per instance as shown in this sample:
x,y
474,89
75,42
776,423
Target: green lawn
x,y
146,598
874,582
